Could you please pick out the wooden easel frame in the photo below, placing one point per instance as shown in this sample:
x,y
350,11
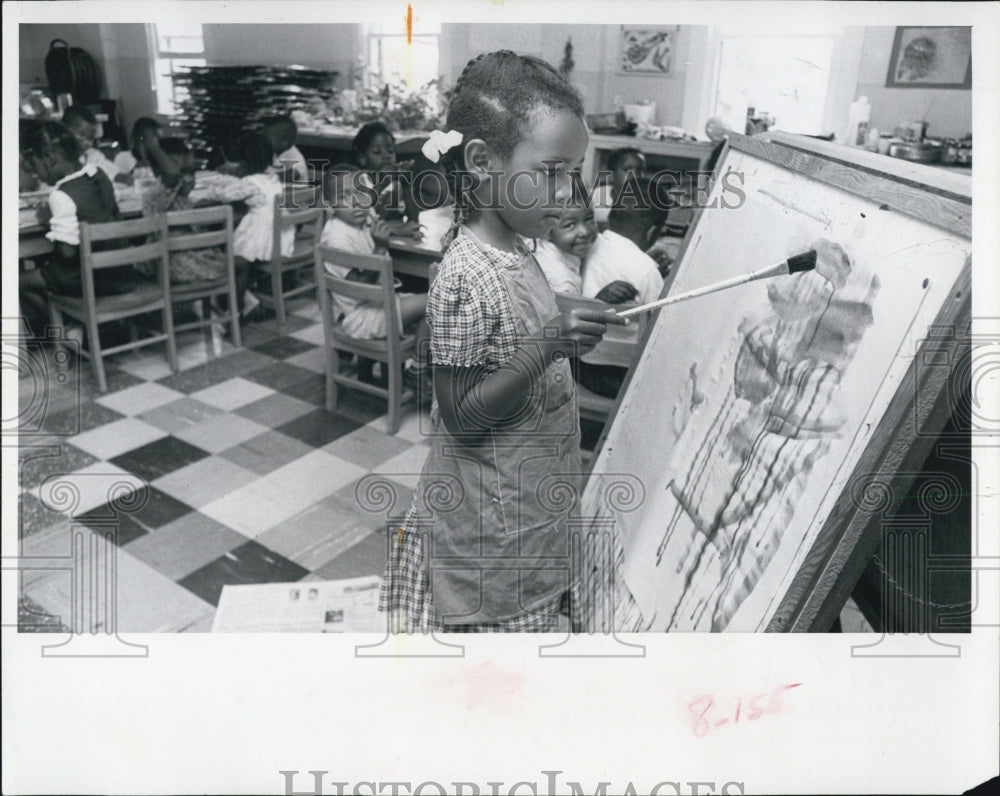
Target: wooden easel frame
x,y
920,407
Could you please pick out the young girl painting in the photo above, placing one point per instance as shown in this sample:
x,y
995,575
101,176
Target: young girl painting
x,y
505,427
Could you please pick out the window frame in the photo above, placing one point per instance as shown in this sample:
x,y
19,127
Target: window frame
x,y
167,106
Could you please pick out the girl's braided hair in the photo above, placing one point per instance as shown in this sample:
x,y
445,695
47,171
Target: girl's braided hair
x,y
493,100
43,135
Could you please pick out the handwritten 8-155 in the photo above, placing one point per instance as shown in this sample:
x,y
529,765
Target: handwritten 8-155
x,y
706,714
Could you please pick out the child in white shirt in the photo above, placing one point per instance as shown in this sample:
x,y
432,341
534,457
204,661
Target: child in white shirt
x,y
84,126
281,132
349,229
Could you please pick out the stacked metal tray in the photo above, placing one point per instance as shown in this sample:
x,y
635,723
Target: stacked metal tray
x,y
225,101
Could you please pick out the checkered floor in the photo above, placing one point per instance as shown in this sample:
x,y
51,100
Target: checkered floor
x,y
227,472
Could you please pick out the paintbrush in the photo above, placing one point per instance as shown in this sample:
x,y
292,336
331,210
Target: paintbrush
x,y
793,265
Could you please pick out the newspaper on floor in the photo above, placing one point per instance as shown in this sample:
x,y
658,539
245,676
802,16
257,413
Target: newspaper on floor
x,y
335,606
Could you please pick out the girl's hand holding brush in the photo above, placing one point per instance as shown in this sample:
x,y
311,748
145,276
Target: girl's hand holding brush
x,y
577,331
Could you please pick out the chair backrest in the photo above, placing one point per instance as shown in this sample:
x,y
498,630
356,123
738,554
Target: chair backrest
x,y
620,345
303,197
200,228
309,218
381,293
128,233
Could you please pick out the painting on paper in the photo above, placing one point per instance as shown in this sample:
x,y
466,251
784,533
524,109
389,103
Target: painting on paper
x,y
749,408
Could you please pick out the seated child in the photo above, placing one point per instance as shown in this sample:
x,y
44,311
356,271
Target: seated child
x,y
561,254
84,126
134,162
374,151
174,164
350,229
81,192
617,268
259,189
622,163
281,132
643,225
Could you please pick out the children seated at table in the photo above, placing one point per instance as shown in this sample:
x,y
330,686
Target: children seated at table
x,y
622,163
281,132
85,127
351,229
259,189
175,165
81,192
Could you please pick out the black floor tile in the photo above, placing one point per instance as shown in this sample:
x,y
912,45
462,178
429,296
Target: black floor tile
x,y
159,458
266,452
312,390
367,557
122,526
35,516
282,347
143,510
250,563
215,371
279,375
32,618
318,428
44,462
88,415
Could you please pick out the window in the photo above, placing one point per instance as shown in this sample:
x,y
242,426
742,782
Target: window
x,y
174,45
784,76
390,54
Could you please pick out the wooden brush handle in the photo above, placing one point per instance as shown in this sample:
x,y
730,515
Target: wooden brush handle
x,y
764,273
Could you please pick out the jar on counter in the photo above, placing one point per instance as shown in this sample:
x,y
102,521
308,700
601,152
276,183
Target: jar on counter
x,y
949,154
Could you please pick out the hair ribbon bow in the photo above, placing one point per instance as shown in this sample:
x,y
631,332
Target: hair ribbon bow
x,y
438,143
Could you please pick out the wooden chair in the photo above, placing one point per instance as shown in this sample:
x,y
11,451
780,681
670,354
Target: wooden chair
x,y
198,229
308,223
391,351
620,346
93,311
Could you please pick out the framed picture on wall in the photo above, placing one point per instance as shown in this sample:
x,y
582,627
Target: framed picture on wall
x,y
929,57
647,50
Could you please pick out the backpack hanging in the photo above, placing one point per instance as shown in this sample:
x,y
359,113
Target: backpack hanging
x,y
72,70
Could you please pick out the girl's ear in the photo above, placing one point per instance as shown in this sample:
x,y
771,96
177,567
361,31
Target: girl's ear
x,y
477,157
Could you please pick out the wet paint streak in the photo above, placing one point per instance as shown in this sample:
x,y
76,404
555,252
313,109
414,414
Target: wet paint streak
x,y
773,426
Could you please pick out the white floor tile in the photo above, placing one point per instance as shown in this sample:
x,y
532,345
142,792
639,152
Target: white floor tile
x,y
405,468
86,489
146,366
413,427
147,601
221,433
310,334
140,398
313,477
233,393
113,439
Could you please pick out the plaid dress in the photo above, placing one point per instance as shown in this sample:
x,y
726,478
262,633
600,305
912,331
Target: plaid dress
x,y
476,310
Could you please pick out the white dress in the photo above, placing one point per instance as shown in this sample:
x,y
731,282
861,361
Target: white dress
x,y
252,239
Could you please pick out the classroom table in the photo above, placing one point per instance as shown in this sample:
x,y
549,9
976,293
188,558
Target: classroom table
x,y
332,143
415,257
31,233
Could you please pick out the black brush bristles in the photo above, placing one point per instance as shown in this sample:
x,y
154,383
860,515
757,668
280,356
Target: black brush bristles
x,y
802,262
